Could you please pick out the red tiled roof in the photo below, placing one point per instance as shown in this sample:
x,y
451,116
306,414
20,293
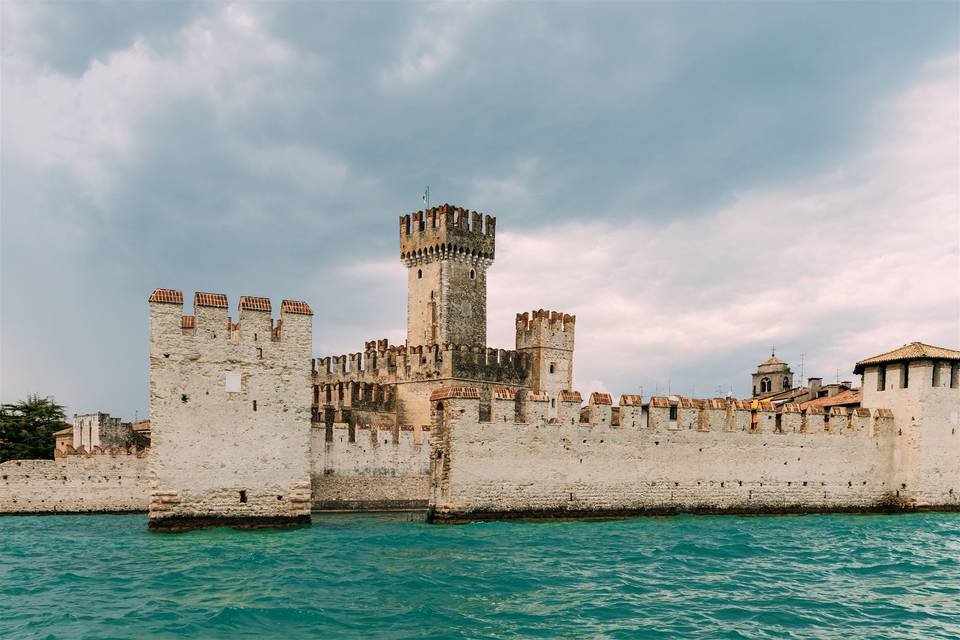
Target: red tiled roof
x,y
912,351
168,296
502,393
570,396
187,322
598,397
204,299
298,306
455,392
845,398
630,401
253,303
538,396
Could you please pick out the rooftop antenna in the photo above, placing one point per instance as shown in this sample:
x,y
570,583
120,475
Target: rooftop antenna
x,y
773,351
838,376
801,367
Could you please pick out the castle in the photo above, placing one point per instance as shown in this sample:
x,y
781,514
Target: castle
x,y
248,428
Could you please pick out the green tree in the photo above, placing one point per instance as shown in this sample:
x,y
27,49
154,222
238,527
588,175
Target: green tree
x,y
27,428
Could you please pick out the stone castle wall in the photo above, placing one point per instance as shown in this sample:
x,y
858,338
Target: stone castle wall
x,y
230,411
700,456
77,483
366,468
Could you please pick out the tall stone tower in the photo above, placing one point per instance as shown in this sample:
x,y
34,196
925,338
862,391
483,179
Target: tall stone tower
x,y
447,250
547,338
772,376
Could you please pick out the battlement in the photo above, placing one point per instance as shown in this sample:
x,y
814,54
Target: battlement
x,y
678,413
542,328
211,318
446,232
68,451
383,363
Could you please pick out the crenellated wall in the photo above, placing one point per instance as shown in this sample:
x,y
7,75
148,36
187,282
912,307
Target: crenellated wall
x,y
685,455
78,482
230,412
367,467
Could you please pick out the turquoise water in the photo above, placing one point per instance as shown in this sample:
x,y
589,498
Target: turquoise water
x,y
353,576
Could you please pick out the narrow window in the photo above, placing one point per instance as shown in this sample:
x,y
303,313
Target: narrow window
x,y
254,337
243,495
553,403
473,274
553,367
254,405
882,377
786,383
905,381
419,273
954,375
260,352
936,374
673,413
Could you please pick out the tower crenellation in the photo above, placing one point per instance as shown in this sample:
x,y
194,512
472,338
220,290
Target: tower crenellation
x,y
547,338
447,251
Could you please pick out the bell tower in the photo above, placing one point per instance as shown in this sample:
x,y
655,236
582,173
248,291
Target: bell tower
x,y
447,251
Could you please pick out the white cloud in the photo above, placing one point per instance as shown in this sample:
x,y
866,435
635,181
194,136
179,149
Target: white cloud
x,y
434,43
866,256
91,123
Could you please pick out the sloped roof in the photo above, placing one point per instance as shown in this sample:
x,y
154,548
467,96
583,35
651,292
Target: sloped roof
x,y
844,399
912,351
64,432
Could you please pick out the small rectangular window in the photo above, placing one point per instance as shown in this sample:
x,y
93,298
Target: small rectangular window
x,y
260,352
905,380
955,375
254,405
882,377
673,413
243,495
936,374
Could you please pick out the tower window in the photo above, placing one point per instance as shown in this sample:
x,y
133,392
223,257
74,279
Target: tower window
x,y
260,352
473,274
243,495
786,383
553,367
905,381
954,375
254,405
419,273
882,377
936,374
673,412
766,385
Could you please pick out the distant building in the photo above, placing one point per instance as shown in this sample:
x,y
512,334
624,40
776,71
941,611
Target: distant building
x,y
772,376
100,429
62,439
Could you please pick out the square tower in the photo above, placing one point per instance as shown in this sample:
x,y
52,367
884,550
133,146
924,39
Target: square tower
x,y
447,250
547,338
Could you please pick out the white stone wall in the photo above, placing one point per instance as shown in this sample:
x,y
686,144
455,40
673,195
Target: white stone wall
x,y
100,482
379,469
216,454
501,469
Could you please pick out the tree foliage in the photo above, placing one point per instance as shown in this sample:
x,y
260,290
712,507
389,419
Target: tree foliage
x,y
27,428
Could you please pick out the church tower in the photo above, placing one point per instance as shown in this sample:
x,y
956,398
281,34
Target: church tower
x,y
447,251
772,376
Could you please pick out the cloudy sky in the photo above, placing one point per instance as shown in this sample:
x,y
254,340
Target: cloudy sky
x,y
695,182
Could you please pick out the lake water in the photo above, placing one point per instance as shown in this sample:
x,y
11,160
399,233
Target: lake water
x,y
361,576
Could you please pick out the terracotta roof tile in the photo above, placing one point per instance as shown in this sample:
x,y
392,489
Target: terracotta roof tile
x,y
253,303
455,392
503,393
204,299
188,322
297,306
848,397
598,397
630,401
538,396
168,296
570,396
912,351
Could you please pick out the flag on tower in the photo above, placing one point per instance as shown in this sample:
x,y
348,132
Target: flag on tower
x,y
425,196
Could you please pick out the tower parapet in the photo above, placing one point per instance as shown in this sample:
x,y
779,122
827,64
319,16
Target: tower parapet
x,y
447,251
547,338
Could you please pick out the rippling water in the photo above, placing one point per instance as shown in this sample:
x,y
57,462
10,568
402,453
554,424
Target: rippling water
x,y
386,576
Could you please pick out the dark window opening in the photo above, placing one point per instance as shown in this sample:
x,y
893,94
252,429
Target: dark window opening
x,y
183,397
905,381
254,337
882,377
673,413
936,374
254,405
786,383
473,274
553,367
260,352
954,375
243,495
419,273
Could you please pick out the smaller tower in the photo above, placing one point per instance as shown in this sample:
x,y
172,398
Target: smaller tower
x,y
547,338
772,376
